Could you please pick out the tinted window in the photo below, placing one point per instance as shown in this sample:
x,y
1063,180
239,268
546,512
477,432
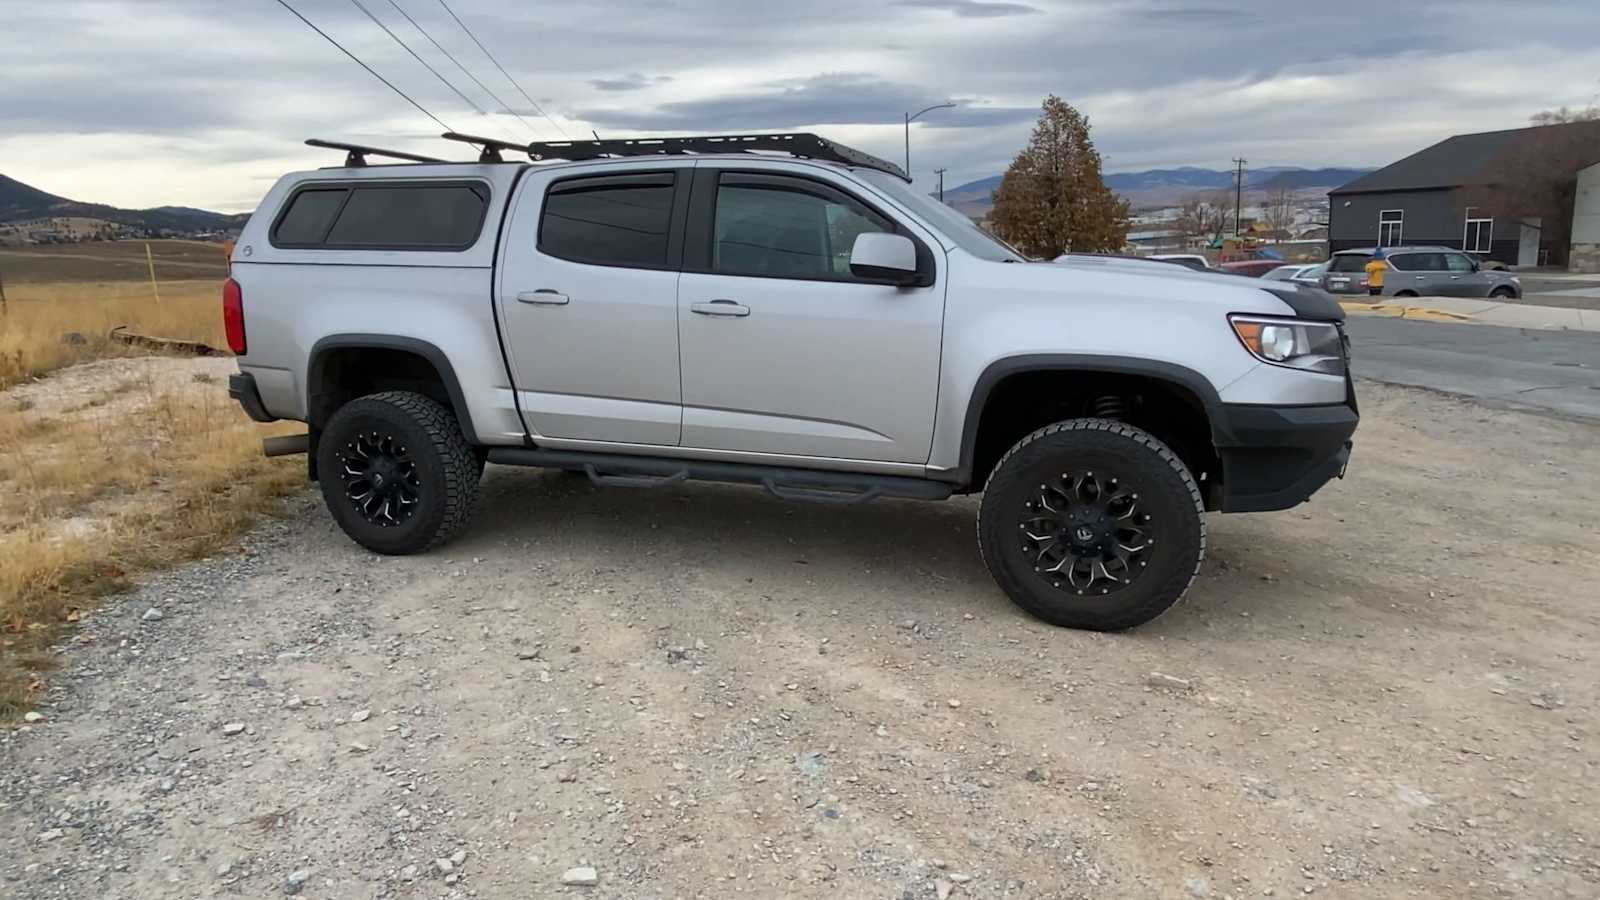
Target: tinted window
x,y
618,220
786,228
1349,262
308,216
444,216
1406,262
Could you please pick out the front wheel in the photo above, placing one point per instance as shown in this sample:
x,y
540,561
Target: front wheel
x,y
1502,293
1092,523
397,473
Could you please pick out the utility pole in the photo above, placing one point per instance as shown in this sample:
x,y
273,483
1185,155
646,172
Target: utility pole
x,y
1238,192
940,173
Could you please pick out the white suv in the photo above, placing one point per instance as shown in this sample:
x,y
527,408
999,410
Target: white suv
x,y
781,311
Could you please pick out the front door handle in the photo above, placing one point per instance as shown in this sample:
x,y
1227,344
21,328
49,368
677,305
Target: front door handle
x,y
720,308
543,297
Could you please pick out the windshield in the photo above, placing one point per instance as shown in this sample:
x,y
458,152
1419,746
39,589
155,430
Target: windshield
x,y
961,231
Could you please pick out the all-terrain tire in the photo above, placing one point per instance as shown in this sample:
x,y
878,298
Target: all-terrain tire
x,y
1124,460
446,470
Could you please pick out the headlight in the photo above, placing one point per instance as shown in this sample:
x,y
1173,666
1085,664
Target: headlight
x,y
1315,346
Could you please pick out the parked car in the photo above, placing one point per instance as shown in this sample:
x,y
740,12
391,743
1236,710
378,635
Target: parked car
x,y
1421,272
1188,260
1250,268
1284,271
652,312
1311,275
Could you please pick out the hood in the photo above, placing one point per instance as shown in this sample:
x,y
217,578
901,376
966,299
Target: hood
x,y
1237,293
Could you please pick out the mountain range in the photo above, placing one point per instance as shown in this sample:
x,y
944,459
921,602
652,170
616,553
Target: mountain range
x,y
20,203
1155,188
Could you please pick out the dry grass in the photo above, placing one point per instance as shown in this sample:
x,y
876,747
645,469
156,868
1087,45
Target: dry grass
x,y
115,469
39,320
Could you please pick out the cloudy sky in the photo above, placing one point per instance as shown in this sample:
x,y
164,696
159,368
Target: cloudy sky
x,y
205,102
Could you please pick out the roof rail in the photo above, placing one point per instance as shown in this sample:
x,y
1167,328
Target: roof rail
x,y
804,145
356,155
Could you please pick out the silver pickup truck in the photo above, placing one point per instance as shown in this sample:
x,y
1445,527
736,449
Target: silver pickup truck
x,y
780,311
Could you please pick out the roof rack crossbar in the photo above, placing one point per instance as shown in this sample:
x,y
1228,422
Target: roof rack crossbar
x,y
356,155
799,144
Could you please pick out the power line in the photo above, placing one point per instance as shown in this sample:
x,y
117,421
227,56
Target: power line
x,y
502,68
376,21
464,70
370,70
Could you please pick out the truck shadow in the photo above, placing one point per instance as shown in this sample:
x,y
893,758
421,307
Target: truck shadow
x,y
913,558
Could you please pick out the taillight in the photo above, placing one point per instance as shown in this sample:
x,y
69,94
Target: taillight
x,y
233,315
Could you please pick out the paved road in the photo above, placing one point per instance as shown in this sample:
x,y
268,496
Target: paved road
x,y
1555,371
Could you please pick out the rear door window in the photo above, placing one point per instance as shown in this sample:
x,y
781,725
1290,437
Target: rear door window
x,y
610,220
444,216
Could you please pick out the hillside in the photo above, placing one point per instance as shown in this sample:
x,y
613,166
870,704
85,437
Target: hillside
x,y
1155,188
21,202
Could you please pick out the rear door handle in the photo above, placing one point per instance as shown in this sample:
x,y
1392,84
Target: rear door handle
x,y
720,308
544,297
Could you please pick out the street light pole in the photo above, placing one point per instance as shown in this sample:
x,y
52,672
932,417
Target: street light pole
x,y
912,117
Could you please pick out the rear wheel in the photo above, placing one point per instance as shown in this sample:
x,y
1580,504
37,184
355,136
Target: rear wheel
x,y
1405,293
396,472
1092,523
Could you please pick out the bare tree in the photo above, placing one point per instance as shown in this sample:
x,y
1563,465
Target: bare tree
x,y
1534,179
1203,216
1278,212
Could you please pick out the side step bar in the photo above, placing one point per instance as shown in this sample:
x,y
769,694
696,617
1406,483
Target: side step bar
x,y
786,484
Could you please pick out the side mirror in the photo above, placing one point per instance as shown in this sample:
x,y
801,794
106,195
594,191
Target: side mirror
x,y
884,257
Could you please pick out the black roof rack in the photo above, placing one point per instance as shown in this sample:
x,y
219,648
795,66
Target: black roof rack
x,y
356,155
800,144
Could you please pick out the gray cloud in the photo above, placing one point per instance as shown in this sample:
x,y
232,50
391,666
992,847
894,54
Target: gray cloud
x,y
975,9
200,103
834,98
633,81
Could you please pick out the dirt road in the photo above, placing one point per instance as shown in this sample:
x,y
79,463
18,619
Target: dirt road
x,y
701,692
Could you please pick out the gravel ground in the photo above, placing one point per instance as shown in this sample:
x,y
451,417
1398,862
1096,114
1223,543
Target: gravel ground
x,y
702,692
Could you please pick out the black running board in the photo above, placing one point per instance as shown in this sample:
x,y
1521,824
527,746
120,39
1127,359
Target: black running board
x,y
612,469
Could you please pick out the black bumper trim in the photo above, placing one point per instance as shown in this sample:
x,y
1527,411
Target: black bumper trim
x,y
1275,457
242,388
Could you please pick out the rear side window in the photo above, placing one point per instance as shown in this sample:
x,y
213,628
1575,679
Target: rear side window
x,y
308,216
420,216
1349,262
1406,262
609,220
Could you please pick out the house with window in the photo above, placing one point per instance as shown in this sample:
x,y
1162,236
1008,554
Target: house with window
x,y
1471,191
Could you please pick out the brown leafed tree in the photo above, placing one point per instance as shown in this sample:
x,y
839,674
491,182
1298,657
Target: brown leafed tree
x,y
1053,199
1534,179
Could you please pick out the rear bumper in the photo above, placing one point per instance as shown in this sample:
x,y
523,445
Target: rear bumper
x,y
1274,457
242,388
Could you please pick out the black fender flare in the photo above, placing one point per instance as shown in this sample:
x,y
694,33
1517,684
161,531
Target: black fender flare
x,y
434,356
1000,369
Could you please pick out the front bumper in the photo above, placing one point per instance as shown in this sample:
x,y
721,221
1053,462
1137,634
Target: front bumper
x,y
1274,457
242,388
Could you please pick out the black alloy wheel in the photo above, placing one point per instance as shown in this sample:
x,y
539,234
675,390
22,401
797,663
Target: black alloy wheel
x,y
397,473
380,478
1092,523
1086,533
